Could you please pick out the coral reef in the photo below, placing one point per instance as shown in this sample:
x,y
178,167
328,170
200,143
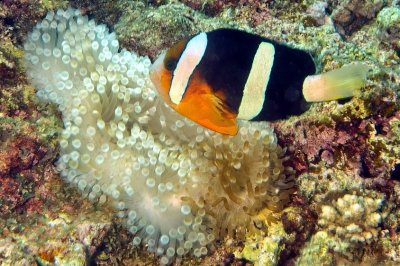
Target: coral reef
x,y
317,12
330,141
354,218
19,17
336,151
351,15
389,21
348,222
210,7
135,28
264,250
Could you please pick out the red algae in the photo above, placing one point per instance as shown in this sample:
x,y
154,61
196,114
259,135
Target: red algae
x,y
20,153
211,8
10,197
313,142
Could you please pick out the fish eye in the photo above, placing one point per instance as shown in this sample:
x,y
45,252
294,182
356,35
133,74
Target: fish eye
x,y
170,64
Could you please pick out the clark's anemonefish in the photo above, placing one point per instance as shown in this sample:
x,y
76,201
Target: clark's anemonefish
x,y
217,77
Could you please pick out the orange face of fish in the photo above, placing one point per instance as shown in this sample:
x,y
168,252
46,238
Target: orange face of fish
x,y
161,71
196,100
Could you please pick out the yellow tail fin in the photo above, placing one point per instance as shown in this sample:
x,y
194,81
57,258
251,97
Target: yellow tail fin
x,y
335,84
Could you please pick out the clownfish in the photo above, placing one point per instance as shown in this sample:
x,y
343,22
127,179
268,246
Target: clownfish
x,y
217,77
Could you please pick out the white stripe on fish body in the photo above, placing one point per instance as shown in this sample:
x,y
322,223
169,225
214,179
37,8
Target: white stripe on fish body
x,y
257,81
188,61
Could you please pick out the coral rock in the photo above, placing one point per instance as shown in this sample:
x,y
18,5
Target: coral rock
x,y
351,15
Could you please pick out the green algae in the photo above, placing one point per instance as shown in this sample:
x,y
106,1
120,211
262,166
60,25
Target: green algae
x,y
389,20
52,4
45,128
317,251
264,250
136,27
175,21
10,56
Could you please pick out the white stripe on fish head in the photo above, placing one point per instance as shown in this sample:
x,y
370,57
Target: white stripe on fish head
x,y
187,63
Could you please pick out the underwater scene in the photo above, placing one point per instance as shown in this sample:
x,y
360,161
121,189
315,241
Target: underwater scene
x,y
199,132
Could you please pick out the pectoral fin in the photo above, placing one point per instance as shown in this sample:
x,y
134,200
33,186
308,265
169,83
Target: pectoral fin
x,y
210,112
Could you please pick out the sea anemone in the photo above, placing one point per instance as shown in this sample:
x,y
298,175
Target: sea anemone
x,y
179,185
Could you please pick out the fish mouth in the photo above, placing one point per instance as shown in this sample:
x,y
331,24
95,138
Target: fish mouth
x,y
157,73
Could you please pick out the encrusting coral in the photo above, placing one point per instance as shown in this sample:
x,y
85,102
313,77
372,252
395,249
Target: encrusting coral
x,y
347,224
353,217
389,30
178,185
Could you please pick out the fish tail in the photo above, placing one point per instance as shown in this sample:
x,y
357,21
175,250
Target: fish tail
x,y
335,84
